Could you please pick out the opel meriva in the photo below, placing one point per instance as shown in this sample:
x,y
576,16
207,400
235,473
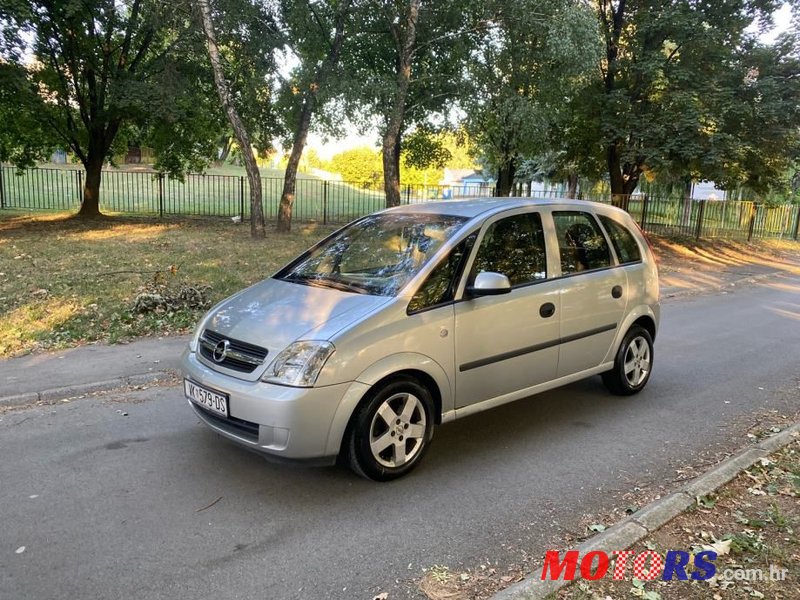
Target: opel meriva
x,y
422,314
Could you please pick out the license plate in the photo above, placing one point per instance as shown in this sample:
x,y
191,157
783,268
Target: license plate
x,y
208,399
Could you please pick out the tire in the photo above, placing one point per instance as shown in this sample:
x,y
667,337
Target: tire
x,y
391,430
632,365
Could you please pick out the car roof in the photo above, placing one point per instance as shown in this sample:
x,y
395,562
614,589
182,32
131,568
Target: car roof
x,y
474,207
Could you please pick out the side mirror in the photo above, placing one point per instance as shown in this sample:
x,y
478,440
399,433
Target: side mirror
x,y
489,284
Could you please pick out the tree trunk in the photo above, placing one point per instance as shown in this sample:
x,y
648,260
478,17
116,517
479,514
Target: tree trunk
x,y
394,122
90,206
290,176
505,178
391,171
307,111
257,229
227,143
572,185
615,172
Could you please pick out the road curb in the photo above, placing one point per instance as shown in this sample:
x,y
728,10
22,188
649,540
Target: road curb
x,y
71,391
658,513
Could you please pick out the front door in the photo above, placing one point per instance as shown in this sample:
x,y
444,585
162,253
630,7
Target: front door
x,y
509,342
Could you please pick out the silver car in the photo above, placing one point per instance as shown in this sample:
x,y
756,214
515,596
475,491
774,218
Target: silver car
x,y
419,315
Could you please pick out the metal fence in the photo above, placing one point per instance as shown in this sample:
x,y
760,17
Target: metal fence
x,y
337,202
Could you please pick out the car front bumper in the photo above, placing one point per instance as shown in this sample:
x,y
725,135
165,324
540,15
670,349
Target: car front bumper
x,y
282,421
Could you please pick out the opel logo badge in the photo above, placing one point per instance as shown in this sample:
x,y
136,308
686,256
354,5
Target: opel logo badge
x,y
221,351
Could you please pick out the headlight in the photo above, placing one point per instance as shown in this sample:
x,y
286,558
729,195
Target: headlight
x,y
196,335
299,365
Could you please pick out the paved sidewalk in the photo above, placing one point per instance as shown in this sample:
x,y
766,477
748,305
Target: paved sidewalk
x,y
74,371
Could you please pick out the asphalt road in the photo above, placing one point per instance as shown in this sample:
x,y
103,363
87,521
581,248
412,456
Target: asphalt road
x,y
109,506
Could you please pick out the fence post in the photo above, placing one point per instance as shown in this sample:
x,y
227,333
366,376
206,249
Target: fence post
x,y
700,214
325,202
161,195
797,223
408,194
750,229
241,198
79,177
3,191
645,200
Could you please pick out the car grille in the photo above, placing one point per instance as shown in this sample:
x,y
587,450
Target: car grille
x,y
240,356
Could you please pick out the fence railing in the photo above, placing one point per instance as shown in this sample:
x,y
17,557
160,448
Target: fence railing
x,y
338,202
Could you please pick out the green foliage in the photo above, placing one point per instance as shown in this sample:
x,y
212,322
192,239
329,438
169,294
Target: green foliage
x,y
358,165
364,165
311,160
23,138
105,73
683,91
412,174
533,56
309,28
424,149
446,32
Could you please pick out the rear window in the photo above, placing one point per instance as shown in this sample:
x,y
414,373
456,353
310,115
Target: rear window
x,y
582,245
623,241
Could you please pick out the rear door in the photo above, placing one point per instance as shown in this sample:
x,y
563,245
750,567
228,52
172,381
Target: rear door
x,y
594,292
509,342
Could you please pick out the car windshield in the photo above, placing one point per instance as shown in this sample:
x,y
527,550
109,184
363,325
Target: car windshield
x,y
376,255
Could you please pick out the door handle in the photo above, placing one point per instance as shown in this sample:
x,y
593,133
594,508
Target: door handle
x,y
616,291
548,309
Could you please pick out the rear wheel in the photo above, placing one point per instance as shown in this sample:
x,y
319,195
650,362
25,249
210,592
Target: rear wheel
x,y
633,363
391,431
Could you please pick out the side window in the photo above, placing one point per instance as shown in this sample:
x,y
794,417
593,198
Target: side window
x,y
582,245
515,247
440,285
623,241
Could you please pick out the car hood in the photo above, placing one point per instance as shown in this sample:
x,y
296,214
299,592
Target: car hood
x,y
273,313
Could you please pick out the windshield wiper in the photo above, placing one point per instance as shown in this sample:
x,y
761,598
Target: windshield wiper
x,y
326,283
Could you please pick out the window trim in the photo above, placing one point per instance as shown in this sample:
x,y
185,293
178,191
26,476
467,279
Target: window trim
x,y
640,260
535,210
457,276
614,262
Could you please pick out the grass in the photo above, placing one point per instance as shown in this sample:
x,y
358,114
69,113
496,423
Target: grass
x,y
61,285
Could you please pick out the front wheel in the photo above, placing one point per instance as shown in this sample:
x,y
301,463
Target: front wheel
x,y
633,363
391,431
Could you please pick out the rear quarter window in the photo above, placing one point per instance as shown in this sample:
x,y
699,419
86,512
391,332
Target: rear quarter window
x,y
623,241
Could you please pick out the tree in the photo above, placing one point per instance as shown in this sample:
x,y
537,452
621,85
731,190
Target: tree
x,y
257,227
534,54
661,78
95,70
757,138
409,57
358,165
317,31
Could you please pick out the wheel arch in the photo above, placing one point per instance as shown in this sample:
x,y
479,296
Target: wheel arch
x,y
642,315
422,368
648,323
